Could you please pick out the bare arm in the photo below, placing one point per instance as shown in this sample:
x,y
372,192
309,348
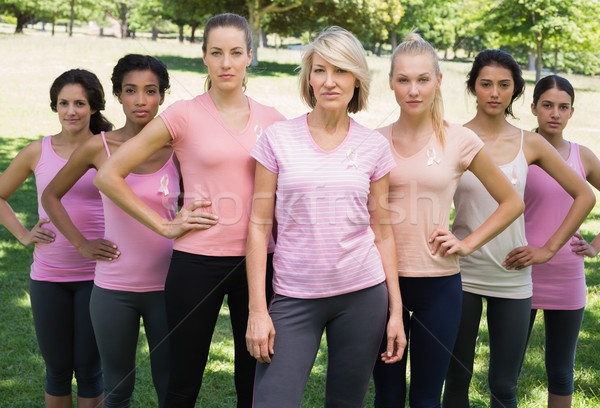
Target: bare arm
x,y
260,333
80,161
111,181
540,152
11,179
591,165
510,206
384,241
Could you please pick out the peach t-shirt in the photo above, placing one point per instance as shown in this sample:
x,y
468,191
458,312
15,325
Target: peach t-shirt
x,y
421,190
216,165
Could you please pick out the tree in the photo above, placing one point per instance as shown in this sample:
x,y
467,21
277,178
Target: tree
x,y
435,20
543,25
190,12
257,10
23,10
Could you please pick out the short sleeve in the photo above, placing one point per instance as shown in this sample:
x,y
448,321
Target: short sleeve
x,y
264,152
175,118
469,144
385,161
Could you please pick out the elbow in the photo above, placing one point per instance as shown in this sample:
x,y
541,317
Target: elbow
x,y
100,180
520,207
516,206
47,200
591,199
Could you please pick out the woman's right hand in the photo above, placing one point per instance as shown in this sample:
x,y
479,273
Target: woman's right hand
x,y
38,234
99,250
260,336
581,247
188,219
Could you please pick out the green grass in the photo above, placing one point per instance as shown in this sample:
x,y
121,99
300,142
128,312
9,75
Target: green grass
x,y
33,60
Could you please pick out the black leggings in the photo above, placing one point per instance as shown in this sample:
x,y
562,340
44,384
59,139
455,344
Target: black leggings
x,y
508,320
562,330
195,288
65,336
430,329
116,319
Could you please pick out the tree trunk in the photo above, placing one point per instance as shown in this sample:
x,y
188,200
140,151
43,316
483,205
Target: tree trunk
x,y
394,39
555,70
264,42
154,33
539,43
531,61
124,16
22,19
193,26
72,4
254,23
53,22
180,32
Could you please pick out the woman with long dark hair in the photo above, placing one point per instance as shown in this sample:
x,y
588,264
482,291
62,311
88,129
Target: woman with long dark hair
x,y
62,278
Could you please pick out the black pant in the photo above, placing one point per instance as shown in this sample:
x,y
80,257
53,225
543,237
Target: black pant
x,y
508,320
64,332
431,316
195,288
562,331
116,319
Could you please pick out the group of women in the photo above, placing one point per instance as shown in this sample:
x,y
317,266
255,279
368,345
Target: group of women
x,y
361,249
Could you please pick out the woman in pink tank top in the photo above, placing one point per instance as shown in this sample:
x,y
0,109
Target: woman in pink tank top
x,y
499,272
130,276
61,279
559,287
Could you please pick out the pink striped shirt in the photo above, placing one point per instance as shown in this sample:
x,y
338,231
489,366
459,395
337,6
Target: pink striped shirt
x,y
325,246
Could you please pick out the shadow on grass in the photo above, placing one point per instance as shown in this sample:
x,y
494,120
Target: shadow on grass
x,y
196,65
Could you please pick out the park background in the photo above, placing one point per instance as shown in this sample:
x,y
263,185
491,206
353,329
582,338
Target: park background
x,y
460,28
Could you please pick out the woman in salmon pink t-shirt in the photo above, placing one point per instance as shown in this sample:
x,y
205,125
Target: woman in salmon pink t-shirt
x,y
212,136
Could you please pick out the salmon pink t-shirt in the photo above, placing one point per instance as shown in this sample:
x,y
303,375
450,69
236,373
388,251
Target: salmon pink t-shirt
x,y
421,190
325,244
216,165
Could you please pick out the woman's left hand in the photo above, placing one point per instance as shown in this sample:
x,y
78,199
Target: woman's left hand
x,y
525,256
396,341
444,243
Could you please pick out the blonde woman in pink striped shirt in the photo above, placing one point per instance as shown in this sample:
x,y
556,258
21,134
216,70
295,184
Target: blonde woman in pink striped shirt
x,y
334,262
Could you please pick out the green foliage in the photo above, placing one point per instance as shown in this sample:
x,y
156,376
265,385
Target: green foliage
x,y
435,20
567,27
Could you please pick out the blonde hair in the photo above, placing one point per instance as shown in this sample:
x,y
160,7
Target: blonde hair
x,y
414,44
340,48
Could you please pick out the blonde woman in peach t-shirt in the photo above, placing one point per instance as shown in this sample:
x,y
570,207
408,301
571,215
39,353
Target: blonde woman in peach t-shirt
x,y
431,155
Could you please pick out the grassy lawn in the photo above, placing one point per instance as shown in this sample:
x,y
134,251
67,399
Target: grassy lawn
x,y
33,61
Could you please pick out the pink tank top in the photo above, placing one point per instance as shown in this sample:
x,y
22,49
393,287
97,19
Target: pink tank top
x,y
59,261
145,255
558,284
